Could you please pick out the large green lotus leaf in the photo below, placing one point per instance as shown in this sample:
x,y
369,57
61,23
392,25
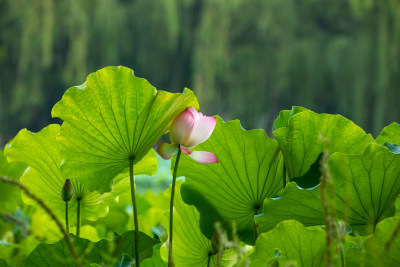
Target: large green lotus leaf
x,y
41,152
301,144
366,188
390,134
11,170
10,196
190,246
149,205
111,118
119,217
283,118
372,252
295,203
126,261
43,228
249,169
16,253
290,243
150,217
3,263
126,244
368,183
392,147
155,260
397,204
102,252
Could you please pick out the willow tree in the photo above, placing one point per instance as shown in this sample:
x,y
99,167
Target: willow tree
x,y
243,61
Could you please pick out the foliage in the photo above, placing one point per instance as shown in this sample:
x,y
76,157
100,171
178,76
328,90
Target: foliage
x,y
249,169
290,243
367,186
191,246
9,196
323,192
110,119
382,255
102,252
41,152
301,142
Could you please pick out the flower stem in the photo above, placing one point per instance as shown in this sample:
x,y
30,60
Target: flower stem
x,y
66,217
342,256
255,232
171,208
135,213
50,212
209,259
78,218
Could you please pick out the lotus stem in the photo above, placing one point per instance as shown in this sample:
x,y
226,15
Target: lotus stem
x,y
66,217
78,218
135,213
67,193
171,209
342,256
50,212
209,259
255,231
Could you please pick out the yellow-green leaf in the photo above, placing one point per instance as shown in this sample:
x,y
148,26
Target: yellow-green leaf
x,y
249,169
41,152
112,118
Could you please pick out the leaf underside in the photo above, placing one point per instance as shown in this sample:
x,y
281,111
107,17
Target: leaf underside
x,y
293,243
249,169
372,252
10,196
366,187
190,246
301,141
390,134
111,118
41,152
102,252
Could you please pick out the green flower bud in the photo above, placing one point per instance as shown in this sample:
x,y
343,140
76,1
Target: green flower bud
x,y
68,191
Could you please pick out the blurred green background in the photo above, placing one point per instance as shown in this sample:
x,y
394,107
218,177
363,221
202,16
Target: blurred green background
x,y
244,59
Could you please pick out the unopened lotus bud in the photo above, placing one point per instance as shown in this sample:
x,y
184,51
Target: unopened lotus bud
x,y
67,191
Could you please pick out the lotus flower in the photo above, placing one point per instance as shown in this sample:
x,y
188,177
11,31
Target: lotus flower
x,y
189,129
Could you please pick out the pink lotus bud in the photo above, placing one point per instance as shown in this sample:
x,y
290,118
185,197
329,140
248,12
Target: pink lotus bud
x,y
189,129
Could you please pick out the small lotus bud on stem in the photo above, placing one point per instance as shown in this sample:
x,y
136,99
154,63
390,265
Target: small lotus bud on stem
x,y
66,194
67,191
